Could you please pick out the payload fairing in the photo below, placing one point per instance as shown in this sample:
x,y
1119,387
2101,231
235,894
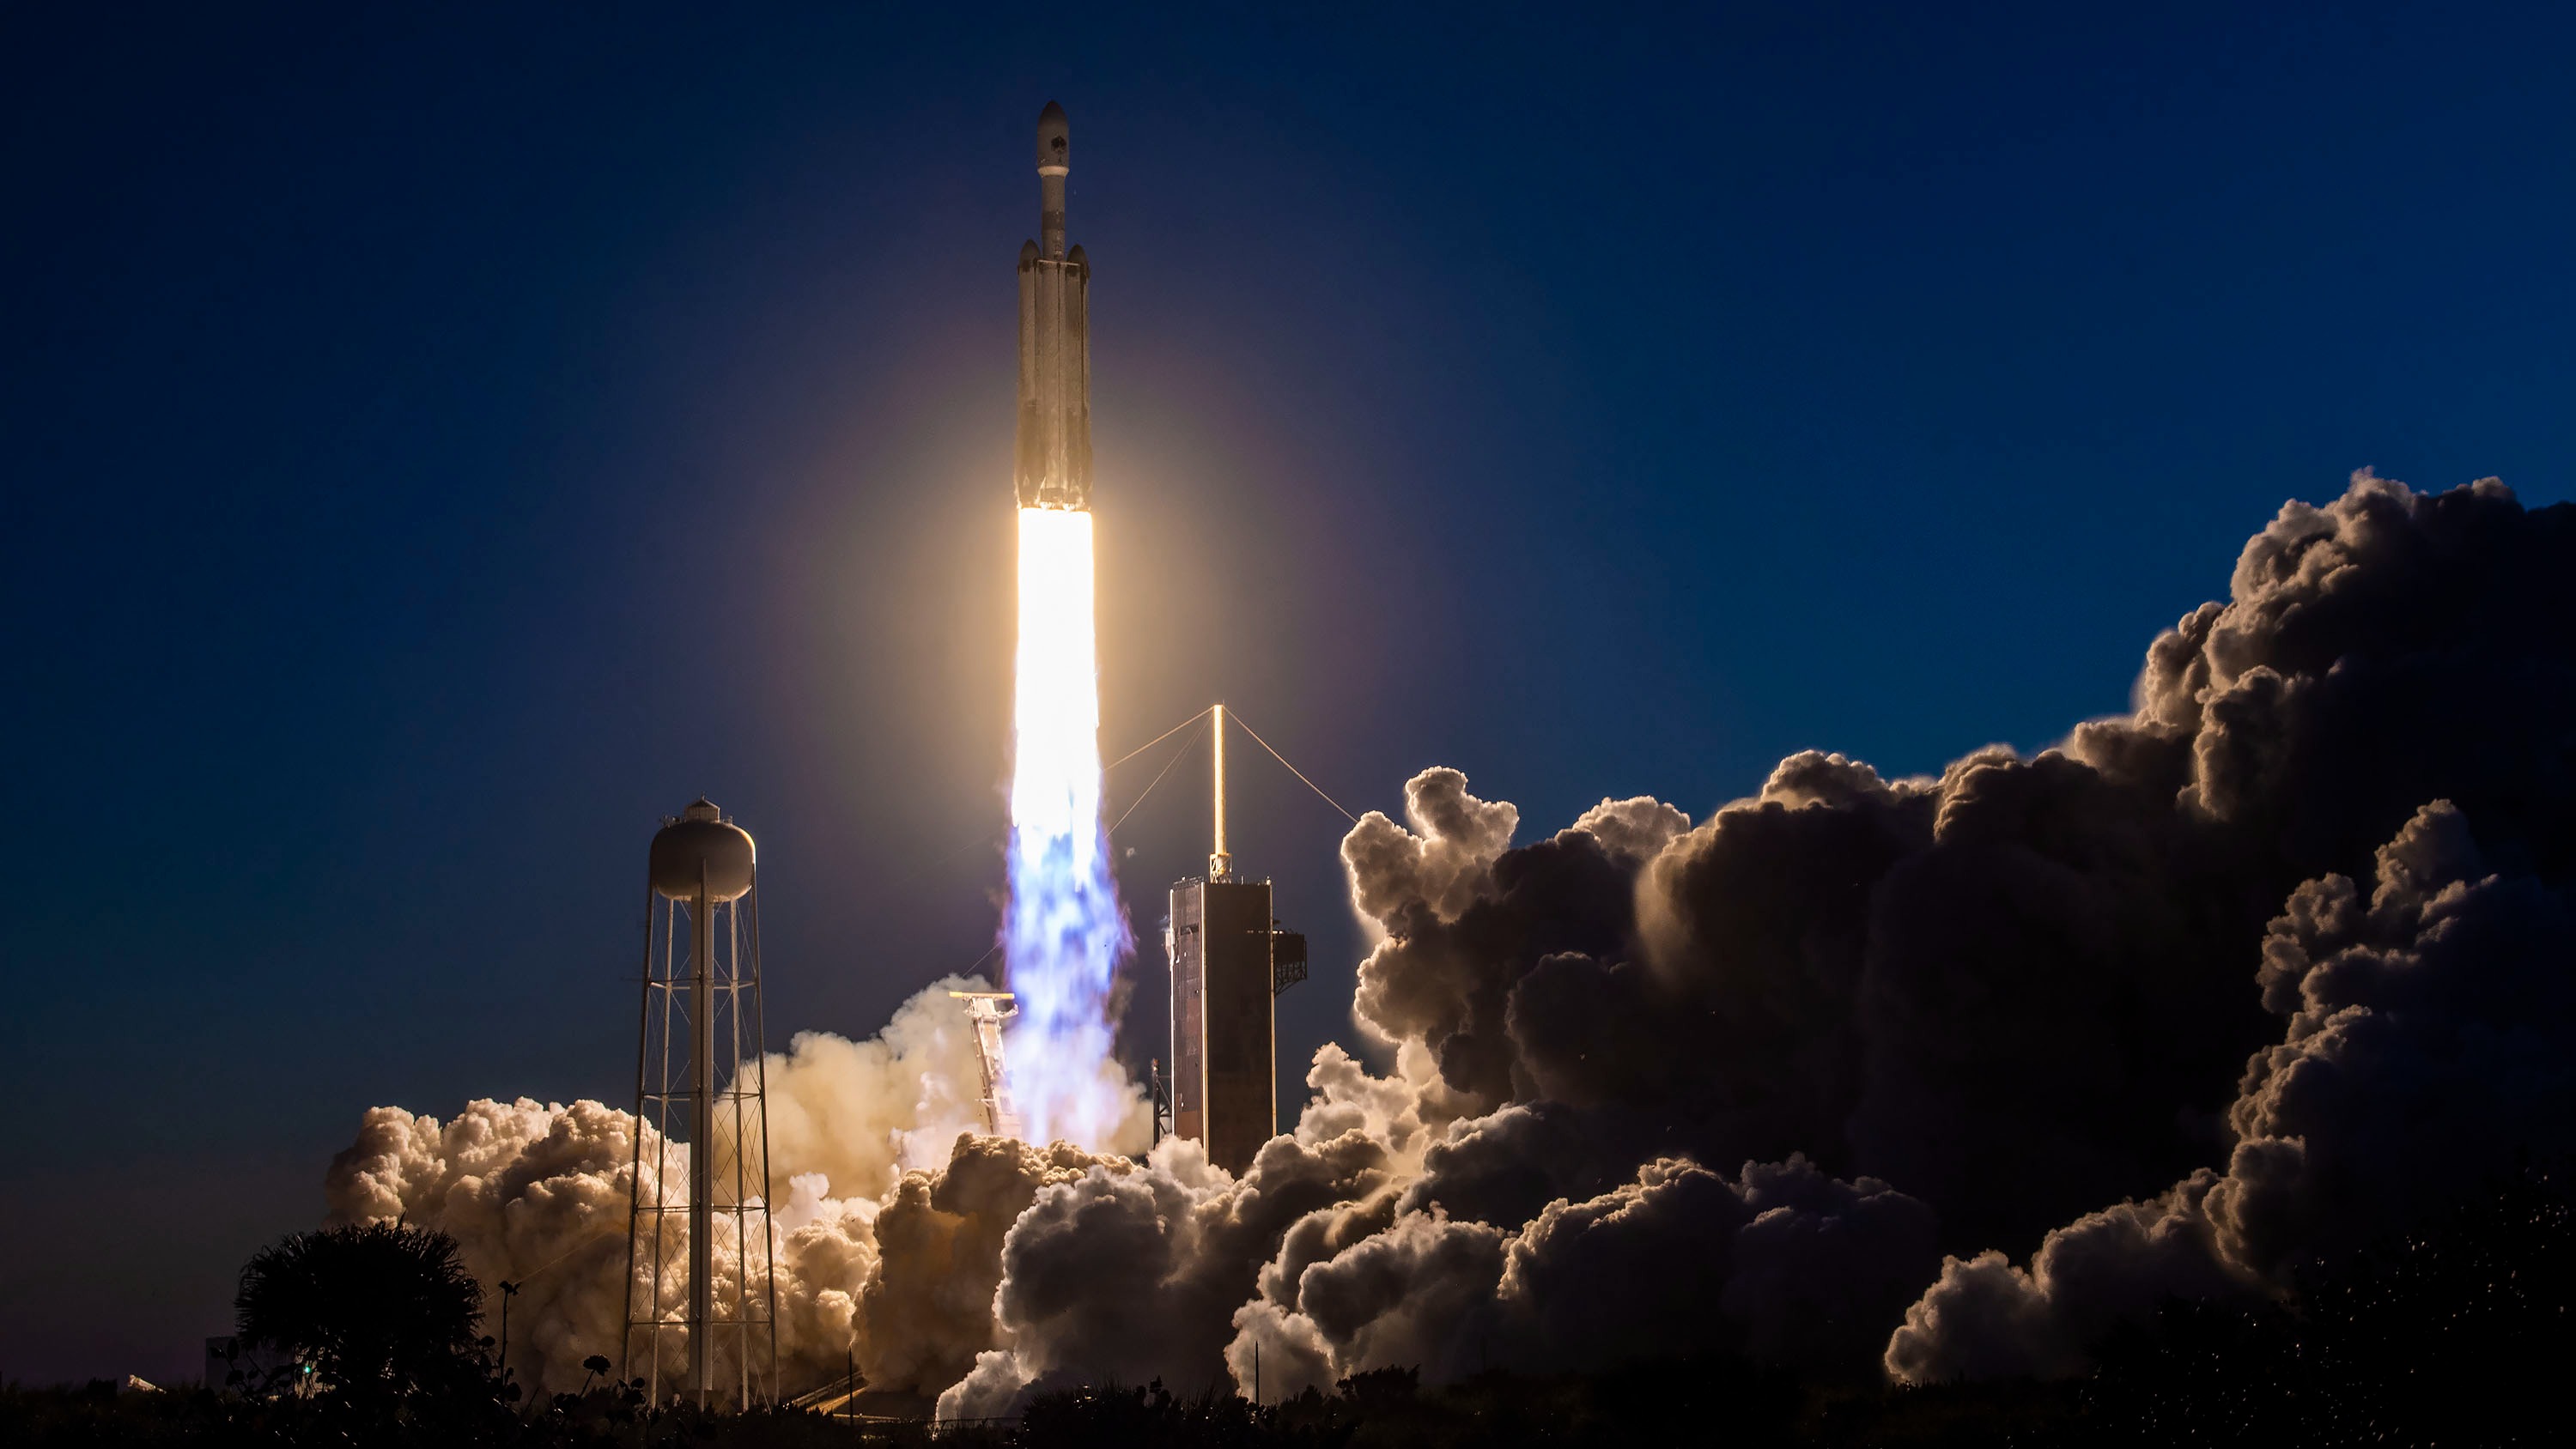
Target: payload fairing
x,y
1054,457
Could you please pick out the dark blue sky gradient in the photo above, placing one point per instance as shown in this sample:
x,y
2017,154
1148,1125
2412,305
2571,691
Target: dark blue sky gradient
x,y
438,446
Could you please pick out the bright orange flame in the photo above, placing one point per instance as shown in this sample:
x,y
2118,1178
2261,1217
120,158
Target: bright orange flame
x,y
1065,934
1055,714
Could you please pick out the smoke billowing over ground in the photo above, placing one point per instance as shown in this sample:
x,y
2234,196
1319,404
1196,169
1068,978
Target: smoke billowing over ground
x,y
1925,1077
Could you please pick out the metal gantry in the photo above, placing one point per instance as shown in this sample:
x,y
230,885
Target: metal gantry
x,y
987,1010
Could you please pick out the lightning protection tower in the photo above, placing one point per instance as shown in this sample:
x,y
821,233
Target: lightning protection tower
x,y
1230,960
698,1081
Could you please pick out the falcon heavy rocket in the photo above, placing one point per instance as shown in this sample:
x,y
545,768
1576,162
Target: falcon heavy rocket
x,y
1065,933
1054,456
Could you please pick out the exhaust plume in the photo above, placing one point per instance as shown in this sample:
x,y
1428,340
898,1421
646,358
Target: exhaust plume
x,y
1066,934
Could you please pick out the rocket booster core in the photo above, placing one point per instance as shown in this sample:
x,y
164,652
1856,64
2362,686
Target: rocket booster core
x,y
1053,467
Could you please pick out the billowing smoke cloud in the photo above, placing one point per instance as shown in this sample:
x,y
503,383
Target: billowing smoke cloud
x,y
2116,1011
1137,1274
1780,1263
1369,1239
537,1194
529,1192
1792,1054
929,1311
2427,1044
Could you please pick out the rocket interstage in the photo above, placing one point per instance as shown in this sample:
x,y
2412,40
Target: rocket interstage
x,y
1065,933
1053,465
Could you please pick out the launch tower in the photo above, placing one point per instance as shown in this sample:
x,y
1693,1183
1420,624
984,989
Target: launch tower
x,y
1230,960
698,1080
988,1010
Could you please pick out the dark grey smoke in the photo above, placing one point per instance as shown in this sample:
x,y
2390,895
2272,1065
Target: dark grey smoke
x,y
1135,1276
2028,989
1737,1086
2022,990
2427,1044
1782,1263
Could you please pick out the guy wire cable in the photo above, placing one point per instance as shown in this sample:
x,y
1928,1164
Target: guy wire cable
x,y
924,871
1293,770
1176,758
1156,740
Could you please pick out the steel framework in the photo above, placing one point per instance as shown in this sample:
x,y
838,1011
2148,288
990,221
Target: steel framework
x,y
987,1010
698,1060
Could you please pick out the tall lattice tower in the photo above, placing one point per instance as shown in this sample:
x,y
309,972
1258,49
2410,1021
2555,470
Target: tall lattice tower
x,y
698,1083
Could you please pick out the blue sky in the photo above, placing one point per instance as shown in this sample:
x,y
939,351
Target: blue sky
x,y
437,446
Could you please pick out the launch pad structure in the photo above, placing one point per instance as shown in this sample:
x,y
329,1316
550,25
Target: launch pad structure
x,y
986,1011
699,1079
1230,960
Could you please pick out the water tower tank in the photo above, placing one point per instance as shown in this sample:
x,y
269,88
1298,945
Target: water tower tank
x,y
701,1028
701,840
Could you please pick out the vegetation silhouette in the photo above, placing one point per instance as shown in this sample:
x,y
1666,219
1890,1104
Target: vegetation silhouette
x,y
374,1314
372,1331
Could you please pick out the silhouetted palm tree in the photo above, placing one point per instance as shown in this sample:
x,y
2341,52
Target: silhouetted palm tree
x,y
375,1312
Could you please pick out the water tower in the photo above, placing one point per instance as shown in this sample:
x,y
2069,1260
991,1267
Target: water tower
x,y
698,1081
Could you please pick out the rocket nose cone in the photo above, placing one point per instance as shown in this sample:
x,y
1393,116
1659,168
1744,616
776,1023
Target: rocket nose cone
x,y
1055,138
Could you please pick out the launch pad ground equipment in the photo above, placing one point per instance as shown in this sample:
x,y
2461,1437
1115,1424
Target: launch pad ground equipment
x,y
698,1079
987,1010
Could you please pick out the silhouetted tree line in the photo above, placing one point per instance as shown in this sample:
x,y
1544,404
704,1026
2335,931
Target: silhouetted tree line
x,y
2453,1335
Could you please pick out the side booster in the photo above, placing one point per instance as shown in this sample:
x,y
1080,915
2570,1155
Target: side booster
x,y
1054,458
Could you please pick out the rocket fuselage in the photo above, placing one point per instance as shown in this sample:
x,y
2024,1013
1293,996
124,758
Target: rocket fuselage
x,y
1053,468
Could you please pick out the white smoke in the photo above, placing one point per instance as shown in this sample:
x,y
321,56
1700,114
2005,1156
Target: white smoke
x,y
537,1194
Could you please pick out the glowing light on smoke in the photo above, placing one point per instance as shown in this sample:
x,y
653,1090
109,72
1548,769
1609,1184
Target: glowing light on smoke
x,y
1065,933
